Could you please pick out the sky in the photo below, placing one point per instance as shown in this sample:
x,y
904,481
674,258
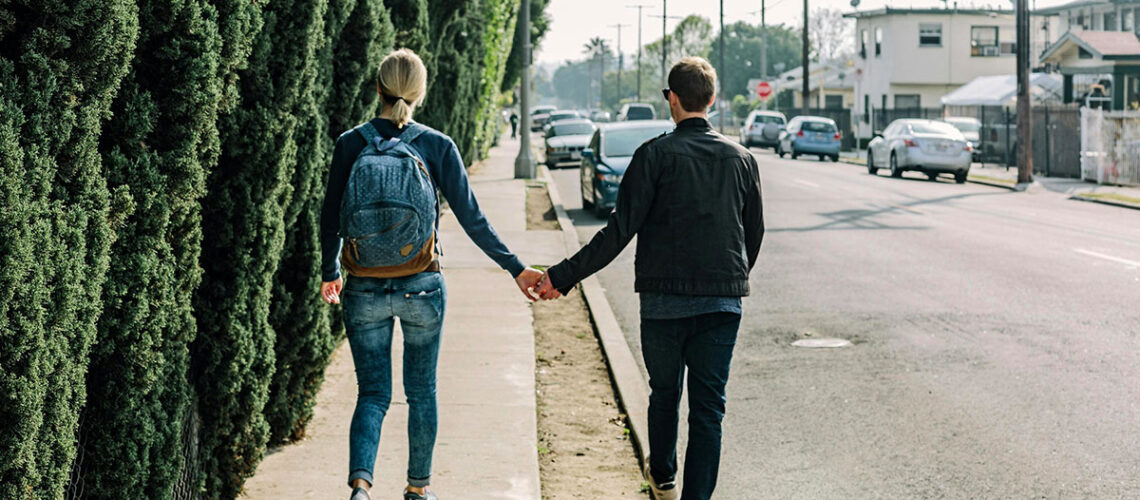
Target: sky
x,y
573,22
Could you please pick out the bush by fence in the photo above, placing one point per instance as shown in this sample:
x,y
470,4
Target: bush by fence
x,y
204,186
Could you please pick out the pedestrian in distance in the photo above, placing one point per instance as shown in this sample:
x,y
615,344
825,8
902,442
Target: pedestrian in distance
x,y
692,198
514,124
379,224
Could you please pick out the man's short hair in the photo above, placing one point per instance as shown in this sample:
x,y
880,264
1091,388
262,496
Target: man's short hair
x,y
693,79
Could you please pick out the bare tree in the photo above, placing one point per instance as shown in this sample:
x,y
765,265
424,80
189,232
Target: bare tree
x,y
832,35
596,49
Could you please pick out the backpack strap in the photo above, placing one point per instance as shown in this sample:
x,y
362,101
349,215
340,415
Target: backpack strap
x,y
368,130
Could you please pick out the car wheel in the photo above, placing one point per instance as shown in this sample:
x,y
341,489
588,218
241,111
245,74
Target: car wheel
x,y
871,168
896,172
601,212
960,177
795,155
932,176
835,158
586,205
821,157
779,150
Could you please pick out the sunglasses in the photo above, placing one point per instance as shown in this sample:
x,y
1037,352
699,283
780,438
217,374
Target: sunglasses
x,y
666,92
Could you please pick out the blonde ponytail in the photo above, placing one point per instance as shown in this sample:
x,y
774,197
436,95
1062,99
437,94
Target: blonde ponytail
x,y
403,83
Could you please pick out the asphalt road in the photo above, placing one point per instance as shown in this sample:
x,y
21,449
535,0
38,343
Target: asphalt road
x,y
996,341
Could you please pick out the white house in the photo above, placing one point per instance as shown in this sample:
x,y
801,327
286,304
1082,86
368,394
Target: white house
x,y
1099,50
908,59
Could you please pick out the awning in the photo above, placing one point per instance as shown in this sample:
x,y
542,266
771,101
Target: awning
x,y
1001,90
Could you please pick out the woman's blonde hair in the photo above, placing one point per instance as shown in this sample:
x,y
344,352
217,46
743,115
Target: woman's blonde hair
x,y
403,83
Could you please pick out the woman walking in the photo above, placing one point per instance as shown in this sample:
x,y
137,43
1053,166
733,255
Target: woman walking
x,y
379,222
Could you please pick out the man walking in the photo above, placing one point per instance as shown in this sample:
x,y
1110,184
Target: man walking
x,y
693,199
514,124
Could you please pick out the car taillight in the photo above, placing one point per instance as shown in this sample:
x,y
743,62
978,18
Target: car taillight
x,y
752,127
911,144
550,149
969,147
800,133
837,136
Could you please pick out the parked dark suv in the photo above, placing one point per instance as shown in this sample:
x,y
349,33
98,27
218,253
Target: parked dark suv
x,y
637,111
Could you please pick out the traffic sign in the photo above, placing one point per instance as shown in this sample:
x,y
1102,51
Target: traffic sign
x,y
763,89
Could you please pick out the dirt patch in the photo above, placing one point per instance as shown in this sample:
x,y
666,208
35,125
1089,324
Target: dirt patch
x,y
540,215
584,449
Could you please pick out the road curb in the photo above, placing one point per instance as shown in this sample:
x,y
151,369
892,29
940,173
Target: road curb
x,y
1110,203
632,388
1011,187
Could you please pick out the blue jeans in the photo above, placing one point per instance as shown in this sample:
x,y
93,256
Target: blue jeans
x,y
704,345
370,307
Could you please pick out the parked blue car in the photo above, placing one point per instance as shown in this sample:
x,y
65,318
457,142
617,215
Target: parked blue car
x,y
604,161
810,135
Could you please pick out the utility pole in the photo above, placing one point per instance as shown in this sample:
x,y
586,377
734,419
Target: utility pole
x,y
638,7
720,78
621,58
524,162
764,43
1024,117
807,63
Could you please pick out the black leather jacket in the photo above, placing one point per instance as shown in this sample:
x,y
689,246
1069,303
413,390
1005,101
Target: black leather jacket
x,y
693,199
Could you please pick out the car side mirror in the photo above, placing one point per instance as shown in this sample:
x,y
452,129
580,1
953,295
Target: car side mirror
x,y
588,154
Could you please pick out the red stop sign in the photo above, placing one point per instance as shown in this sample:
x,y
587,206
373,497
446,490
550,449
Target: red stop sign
x,y
763,90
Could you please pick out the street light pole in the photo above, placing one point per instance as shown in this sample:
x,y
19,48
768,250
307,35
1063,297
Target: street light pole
x,y
1024,117
720,106
621,58
638,7
807,63
524,162
764,43
664,41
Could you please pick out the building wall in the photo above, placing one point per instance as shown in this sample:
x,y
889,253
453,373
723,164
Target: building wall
x,y
906,67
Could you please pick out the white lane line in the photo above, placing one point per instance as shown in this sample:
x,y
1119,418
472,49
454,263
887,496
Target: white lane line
x,y
806,183
1107,257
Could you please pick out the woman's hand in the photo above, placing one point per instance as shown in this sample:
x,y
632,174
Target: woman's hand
x,y
330,291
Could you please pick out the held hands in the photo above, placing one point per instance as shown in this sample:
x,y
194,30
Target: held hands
x,y
536,285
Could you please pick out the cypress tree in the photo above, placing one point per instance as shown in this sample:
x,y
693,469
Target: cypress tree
x,y
158,148
344,95
60,65
539,22
412,23
244,233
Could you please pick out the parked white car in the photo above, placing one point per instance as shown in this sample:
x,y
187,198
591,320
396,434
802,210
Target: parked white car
x,y
928,146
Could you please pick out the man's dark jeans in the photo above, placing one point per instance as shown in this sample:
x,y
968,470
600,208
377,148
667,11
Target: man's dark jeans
x,y
704,345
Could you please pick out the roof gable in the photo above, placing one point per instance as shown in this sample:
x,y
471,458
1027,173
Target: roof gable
x,y
1101,44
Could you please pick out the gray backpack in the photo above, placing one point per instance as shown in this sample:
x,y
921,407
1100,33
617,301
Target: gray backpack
x,y
390,207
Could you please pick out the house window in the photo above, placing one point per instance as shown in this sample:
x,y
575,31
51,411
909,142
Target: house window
x,y
984,41
908,101
863,44
1110,22
883,103
1009,48
878,41
833,101
930,35
1127,21
866,108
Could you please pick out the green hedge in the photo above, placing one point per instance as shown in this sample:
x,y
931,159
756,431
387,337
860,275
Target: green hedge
x,y
202,178
356,34
243,223
156,149
60,64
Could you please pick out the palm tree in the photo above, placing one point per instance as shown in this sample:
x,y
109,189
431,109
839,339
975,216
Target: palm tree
x,y
597,48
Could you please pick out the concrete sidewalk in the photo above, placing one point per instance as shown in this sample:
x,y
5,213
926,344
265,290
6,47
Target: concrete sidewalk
x,y
487,446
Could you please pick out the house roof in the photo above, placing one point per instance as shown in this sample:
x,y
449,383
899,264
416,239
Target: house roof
x,y
886,11
1072,5
999,90
1102,44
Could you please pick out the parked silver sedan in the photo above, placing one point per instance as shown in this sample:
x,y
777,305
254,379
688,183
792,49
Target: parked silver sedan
x,y
926,146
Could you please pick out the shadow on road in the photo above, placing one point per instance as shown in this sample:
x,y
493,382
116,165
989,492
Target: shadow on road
x,y
863,219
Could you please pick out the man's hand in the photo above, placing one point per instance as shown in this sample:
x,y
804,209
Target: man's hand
x,y
546,290
330,291
527,280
